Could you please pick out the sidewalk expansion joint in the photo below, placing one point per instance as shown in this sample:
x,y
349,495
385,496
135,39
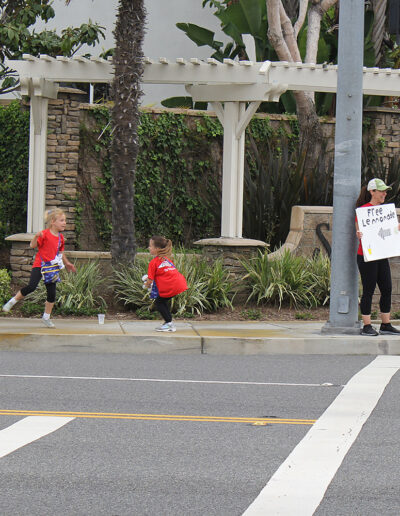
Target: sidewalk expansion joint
x,y
201,339
122,328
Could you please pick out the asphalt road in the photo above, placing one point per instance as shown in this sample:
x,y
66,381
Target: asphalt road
x,y
182,435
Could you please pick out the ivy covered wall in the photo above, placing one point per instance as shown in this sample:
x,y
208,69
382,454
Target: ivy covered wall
x,y
178,177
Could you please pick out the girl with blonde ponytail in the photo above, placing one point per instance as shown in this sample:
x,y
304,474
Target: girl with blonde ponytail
x,y
50,244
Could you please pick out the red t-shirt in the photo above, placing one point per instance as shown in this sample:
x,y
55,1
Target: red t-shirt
x,y
47,247
170,282
360,249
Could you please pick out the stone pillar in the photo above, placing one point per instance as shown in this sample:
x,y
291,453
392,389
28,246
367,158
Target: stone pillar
x,y
61,175
21,256
231,251
63,156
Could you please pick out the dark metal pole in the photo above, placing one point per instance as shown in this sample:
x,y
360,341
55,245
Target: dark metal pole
x,y
343,315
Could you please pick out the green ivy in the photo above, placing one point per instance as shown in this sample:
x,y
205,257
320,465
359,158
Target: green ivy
x,y
177,190
78,219
14,165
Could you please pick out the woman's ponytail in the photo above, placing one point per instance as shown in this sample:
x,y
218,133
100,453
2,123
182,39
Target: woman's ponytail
x,y
364,197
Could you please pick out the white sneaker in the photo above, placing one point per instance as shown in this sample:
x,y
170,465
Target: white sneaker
x,y
166,327
48,323
7,307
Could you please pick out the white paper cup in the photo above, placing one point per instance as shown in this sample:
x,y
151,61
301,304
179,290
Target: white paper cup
x,y
101,318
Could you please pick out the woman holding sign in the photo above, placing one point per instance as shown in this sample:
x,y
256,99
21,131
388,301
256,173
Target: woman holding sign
x,y
374,272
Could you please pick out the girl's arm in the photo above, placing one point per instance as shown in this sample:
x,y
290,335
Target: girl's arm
x,y
34,240
151,271
68,265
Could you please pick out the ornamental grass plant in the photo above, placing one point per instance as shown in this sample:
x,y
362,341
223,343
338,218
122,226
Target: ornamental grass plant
x,y
128,284
209,287
288,280
78,293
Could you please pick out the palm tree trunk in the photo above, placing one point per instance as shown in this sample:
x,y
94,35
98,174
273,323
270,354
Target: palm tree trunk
x,y
379,28
126,87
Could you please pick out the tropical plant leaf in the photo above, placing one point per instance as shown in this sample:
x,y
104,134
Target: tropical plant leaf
x,y
200,35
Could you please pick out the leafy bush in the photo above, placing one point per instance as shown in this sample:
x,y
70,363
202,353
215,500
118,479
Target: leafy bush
x,y
374,165
303,316
5,289
275,180
209,287
320,267
28,308
77,293
253,314
14,158
146,313
289,279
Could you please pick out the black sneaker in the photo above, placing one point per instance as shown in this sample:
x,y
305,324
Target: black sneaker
x,y
388,329
369,331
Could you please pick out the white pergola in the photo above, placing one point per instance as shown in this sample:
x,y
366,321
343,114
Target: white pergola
x,y
235,90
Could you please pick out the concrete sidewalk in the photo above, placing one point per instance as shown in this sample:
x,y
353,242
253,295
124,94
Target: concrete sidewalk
x,y
194,337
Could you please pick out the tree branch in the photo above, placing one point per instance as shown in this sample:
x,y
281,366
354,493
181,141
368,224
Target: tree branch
x,y
327,4
302,16
289,35
275,35
315,14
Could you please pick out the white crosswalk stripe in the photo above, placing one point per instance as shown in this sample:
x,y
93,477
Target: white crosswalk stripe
x,y
299,484
28,430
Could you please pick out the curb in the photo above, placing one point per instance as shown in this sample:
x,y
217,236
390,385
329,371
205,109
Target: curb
x,y
197,344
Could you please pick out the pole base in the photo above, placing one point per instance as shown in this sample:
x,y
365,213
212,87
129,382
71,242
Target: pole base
x,y
331,329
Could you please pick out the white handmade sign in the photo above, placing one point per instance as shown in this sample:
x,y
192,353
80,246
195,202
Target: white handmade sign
x,y
380,231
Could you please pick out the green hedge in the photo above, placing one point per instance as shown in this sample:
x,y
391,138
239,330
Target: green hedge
x,y
14,159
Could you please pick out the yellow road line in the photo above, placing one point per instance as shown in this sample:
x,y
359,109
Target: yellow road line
x,y
157,417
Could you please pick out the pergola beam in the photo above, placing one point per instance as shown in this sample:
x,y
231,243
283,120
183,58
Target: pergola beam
x,y
296,76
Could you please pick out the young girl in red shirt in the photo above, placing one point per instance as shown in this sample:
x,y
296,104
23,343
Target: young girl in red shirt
x,y
166,277
49,242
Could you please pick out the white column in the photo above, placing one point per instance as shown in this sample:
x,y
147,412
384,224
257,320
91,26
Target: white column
x,y
230,171
39,90
234,116
240,174
37,163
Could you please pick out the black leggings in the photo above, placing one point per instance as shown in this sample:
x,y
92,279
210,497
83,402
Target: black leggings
x,y
36,276
162,305
373,273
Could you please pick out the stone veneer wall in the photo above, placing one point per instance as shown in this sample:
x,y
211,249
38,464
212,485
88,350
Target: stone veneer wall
x,y
385,130
63,156
21,257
